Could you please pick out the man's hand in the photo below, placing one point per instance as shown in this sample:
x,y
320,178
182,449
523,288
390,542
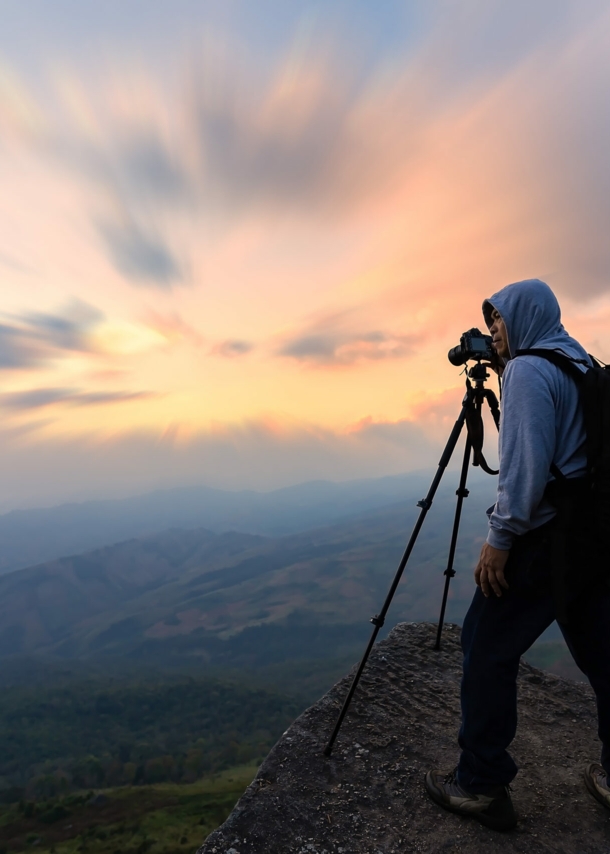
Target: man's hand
x,y
489,572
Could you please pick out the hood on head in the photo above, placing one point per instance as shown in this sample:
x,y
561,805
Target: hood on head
x,y
531,314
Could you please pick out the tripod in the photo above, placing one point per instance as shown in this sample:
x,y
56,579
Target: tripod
x,y
470,415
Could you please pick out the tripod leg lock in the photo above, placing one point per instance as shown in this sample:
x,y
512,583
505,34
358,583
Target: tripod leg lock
x,y
425,504
450,572
377,620
462,493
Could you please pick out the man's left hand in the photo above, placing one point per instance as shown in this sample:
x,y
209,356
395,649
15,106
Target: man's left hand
x,y
489,572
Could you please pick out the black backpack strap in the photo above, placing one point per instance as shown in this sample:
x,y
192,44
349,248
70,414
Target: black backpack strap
x,y
568,366
560,360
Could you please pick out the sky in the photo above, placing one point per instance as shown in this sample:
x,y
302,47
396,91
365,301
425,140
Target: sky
x,y
237,239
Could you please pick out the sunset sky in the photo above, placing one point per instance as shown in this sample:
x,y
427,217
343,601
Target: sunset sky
x,y
237,239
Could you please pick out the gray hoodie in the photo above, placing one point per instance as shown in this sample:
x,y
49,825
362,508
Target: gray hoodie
x,y
542,421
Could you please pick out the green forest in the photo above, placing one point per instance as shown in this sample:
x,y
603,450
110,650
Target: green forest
x,y
160,818
103,733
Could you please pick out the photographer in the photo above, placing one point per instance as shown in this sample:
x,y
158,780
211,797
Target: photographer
x,y
542,441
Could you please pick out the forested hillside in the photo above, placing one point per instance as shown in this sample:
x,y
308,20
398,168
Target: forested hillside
x,y
91,734
164,818
235,599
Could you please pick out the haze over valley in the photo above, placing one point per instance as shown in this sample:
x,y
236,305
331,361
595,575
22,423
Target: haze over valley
x,y
156,596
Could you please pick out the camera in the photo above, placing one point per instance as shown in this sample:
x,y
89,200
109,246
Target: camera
x,y
473,345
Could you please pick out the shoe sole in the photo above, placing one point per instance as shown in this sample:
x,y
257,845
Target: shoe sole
x,y
493,823
593,790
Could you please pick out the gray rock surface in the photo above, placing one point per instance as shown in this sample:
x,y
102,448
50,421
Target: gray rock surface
x,y
368,798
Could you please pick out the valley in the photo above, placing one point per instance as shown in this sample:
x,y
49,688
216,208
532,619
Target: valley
x,y
170,659
163,818
226,597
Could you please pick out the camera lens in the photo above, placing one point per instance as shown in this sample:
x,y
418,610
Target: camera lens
x,y
457,356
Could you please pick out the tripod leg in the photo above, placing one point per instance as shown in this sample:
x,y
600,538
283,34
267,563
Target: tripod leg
x,y
461,493
379,619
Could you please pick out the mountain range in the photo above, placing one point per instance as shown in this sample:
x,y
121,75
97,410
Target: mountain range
x,y
294,608
29,537
238,598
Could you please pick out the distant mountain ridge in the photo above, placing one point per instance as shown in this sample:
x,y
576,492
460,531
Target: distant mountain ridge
x,y
29,537
237,599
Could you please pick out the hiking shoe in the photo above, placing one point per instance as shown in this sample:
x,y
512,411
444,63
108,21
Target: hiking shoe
x,y
596,781
494,810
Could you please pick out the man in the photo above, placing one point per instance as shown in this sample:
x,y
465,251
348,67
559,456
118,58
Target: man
x,y
541,429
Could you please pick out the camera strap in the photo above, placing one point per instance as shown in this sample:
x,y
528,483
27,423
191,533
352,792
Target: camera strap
x,y
476,434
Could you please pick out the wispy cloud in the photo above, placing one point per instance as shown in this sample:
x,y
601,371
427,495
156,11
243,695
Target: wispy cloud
x,y
33,398
94,398
148,168
291,147
173,327
20,401
330,342
232,348
69,329
19,348
33,338
143,258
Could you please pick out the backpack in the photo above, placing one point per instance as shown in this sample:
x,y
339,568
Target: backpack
x,y
581,533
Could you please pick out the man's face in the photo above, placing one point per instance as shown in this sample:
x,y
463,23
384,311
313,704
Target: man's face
x,y
497,330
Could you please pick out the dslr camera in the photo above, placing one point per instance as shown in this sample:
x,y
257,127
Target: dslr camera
x,y
473,345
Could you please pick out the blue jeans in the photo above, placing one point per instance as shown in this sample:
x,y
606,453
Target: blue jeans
x,y
496,633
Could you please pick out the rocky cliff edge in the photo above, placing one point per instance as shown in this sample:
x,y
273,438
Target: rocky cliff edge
x,y
368,798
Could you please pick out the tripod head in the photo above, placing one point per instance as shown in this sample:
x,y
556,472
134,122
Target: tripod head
x,y
479,373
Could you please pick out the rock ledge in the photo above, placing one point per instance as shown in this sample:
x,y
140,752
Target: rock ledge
x,y
368,798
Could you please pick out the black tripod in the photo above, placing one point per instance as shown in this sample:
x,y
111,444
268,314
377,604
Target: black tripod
x,y
471,416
